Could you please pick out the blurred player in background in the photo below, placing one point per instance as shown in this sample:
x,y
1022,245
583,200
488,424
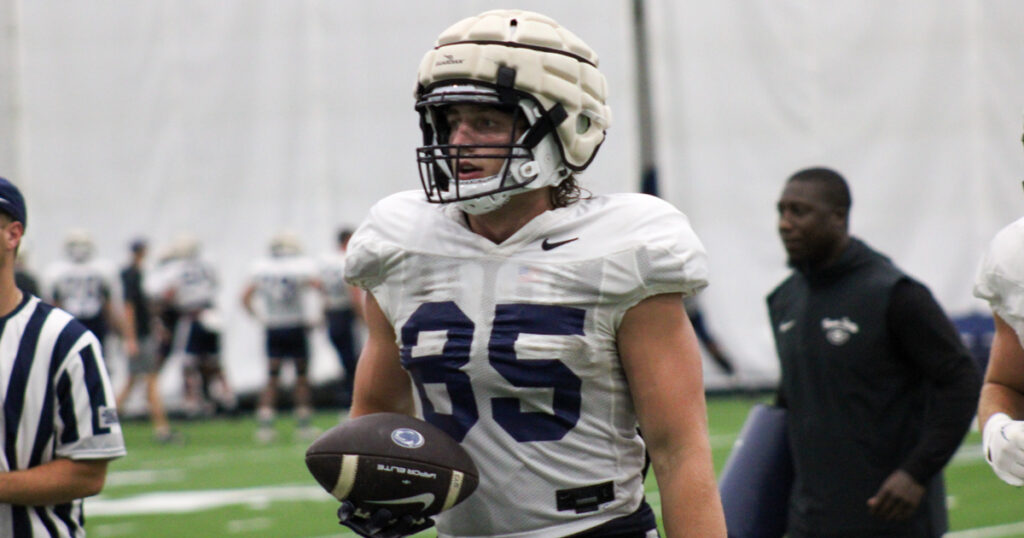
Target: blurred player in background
x,y
88,288
146,363
879,388
24,277
710,343
189,285
342,309
164,310
60,425
281,283
518,306
1000,281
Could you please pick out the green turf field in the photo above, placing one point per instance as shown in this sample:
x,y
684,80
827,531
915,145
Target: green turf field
x,y
221,483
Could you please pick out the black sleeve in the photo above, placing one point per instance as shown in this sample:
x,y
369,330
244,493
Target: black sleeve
x,y
924,335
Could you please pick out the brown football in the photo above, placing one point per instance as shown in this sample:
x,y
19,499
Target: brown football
x,y
393,461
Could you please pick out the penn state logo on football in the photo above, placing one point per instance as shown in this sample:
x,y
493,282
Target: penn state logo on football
x,y
407,437
838,331
389,459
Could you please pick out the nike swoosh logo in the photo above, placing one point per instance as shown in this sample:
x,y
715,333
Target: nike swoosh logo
x,y
785,326
548,245
426,498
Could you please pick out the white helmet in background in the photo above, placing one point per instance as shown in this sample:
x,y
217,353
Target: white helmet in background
x,y
525,62
78,245
184,246
284,244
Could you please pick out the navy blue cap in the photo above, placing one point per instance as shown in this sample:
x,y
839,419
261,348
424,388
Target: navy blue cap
x,y
137,244
12,203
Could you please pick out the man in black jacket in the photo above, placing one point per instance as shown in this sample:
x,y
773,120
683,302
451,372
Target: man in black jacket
x,y
879,387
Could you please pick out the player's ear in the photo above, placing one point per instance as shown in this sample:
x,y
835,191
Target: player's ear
x,y
12,234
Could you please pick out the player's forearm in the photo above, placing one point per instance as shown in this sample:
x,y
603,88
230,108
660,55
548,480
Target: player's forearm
x,y
130,331
366,400
690,504
380,386
54,482
998,398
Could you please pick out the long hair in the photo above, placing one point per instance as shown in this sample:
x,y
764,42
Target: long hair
x,y
568,192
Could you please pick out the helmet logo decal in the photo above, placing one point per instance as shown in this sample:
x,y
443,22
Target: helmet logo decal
x,y
449,60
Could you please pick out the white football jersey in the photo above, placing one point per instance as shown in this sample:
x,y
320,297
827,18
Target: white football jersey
x,y
191,282
281,284
332,275
82,288
512,347
1000,278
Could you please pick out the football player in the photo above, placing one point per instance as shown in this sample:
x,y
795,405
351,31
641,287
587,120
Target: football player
x,y
1000,281
88,288
537,325
342,309
280,283
189,285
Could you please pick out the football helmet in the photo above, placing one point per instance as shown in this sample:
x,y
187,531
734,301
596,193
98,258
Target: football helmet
x,y
185,246
284,244
519,61
78,245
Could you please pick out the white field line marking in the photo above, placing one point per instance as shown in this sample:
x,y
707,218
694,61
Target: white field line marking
x,y
968,454
210,458
1012,529
722,440
114,529
177,502
135,478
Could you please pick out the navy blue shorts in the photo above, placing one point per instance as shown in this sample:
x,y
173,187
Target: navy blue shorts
x,y
289,342
202,341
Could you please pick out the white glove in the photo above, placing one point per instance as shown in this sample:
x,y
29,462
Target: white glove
x,y
1003,441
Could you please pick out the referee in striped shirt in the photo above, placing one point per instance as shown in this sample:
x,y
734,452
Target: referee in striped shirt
x,y
59,425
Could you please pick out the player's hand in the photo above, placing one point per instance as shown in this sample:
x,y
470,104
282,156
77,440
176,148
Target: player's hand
x,y
131,347
1003,441
379,523
898,497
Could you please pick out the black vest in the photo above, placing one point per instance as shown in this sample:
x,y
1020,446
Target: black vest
x,y
856,405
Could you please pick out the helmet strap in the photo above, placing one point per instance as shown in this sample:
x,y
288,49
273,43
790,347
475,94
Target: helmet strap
x,y
544,125
505,85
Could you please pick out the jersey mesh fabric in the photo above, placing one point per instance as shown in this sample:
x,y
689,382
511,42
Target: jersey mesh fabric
x,y
1000,278
192,281
332,274
281,287
81,288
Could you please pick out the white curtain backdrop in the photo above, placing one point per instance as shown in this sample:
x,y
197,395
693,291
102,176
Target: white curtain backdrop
x,y
232,120
918,103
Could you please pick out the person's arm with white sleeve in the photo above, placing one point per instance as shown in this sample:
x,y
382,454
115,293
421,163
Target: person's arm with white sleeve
x,y
1001,407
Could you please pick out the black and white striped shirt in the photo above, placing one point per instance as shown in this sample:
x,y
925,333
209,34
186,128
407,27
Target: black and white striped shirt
x,y
57,403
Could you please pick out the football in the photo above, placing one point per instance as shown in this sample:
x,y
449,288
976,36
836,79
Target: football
x,y
395,461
